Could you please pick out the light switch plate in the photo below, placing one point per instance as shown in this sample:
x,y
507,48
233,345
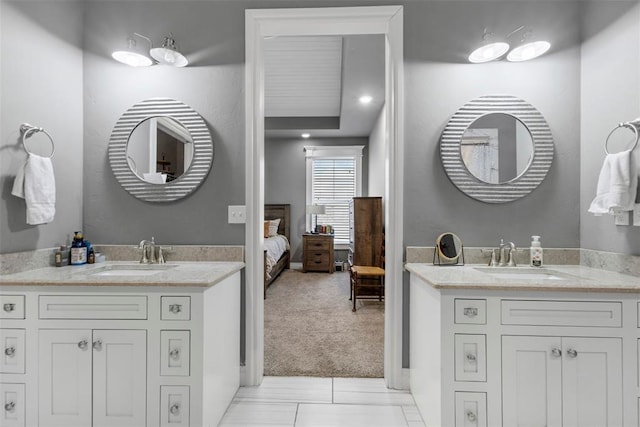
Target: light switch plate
x,y
237,214
623,218
636,215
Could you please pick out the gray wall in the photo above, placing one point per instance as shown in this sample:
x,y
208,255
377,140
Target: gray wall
x,y
377,146
610,79
285,178
212,33
41,84
439,80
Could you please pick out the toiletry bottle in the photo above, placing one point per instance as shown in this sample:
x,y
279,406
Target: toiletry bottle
x,y
91,258
58,258
78,249
536,252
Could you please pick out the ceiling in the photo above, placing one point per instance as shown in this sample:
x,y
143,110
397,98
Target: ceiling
x,y
313,85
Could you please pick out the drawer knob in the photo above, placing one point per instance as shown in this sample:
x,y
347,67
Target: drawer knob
x,y
97,344
10,406
175,409
572,353
470,311
10,351
9,307
471,416
471,357
82,345
556,352
174,354
175,308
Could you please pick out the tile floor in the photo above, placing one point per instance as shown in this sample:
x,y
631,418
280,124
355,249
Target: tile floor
x,y
322,402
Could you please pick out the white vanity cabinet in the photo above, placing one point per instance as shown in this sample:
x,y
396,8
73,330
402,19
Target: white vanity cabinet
x,y
111,356
92,377
524,358
556,381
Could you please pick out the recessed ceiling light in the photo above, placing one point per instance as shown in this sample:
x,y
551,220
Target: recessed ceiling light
x,y
528,51
365,99
305,135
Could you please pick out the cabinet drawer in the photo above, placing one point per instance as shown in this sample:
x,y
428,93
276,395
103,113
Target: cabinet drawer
x,y
316,259
562,313
470,357
93,307
13,405
12,347
471,409
315,244
471,311
175,308
11,306
175,353
174,406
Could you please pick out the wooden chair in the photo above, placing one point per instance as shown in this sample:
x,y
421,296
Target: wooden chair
x,y
367,278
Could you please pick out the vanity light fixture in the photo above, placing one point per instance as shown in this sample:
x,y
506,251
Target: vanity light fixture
x,y
168,54
495,51
305,135
365,99
131,56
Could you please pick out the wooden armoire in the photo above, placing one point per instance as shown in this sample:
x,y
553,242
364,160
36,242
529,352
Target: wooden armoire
x,y
366,231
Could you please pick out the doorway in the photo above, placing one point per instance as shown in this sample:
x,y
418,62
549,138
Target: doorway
x,y
386,20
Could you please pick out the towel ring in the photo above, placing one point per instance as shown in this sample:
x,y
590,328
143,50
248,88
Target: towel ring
x,y
633,125
28,130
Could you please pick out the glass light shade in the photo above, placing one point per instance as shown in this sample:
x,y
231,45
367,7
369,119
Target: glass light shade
x,y
528,51
365,99
131,58
168,56
488,52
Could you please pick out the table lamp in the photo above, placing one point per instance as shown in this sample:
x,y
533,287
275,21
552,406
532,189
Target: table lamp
x,y
315,209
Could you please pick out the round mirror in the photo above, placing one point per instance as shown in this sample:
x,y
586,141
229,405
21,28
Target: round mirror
x,y
449,246
496,148
159,150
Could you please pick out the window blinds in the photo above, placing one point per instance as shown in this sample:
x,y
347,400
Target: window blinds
x,y
334,185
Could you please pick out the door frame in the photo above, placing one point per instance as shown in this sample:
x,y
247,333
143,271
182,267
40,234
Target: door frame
x,y
261,23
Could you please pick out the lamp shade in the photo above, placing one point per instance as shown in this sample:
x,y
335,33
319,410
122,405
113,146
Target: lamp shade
x,y
168,54
131,56
315,209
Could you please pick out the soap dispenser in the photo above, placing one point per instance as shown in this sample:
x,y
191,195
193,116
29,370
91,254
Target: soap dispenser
x,y
536,252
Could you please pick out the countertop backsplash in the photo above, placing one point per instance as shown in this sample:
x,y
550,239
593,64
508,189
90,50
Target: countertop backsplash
x,y
17,262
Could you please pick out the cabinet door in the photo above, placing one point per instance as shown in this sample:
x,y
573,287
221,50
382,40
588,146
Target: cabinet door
x,y
592,382
119,378
531,381
64,359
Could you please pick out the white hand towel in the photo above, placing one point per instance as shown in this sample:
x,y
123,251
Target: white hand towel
x,y
617,184
36,183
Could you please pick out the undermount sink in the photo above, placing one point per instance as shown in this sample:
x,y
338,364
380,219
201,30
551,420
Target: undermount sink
x,y
131,270
522,273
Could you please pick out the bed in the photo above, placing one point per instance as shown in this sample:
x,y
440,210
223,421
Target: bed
x,y
277,252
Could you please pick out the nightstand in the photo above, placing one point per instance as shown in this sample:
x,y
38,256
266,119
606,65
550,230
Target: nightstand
x,y
317,252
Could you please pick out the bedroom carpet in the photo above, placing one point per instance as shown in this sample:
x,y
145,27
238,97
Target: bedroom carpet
x,y
310,329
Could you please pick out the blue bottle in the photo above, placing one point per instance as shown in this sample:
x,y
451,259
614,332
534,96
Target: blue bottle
x,y
78,249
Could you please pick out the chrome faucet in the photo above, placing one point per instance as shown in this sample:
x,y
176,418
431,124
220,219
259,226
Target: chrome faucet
x,y
148,251
507,254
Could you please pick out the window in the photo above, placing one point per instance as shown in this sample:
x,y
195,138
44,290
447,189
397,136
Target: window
x,y
333,179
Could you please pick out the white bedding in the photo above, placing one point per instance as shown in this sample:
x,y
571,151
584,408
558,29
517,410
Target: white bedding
x,y
275,247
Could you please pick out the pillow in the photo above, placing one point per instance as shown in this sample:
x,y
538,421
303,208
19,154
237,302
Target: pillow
x,y
266,229
273,227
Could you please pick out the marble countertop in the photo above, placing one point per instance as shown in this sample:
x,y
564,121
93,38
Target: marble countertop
x,y
565,278
122,273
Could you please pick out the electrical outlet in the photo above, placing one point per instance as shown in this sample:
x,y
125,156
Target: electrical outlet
x,y
623,218
636,215
237,214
